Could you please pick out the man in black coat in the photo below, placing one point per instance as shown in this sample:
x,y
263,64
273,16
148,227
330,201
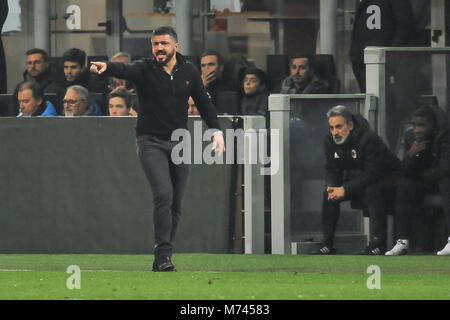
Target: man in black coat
x,y
359,168
381,23
39,71
164,84
425,170
212,65
303,78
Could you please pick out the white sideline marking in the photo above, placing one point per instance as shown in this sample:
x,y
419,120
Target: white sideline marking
x,y
28,270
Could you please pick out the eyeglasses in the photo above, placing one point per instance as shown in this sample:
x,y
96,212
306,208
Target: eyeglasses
x,y
71,102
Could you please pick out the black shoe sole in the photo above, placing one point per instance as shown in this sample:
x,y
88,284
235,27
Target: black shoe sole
x,y
165,267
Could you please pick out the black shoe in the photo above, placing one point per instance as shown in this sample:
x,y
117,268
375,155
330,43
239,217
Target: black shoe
x,y
373,251
325,250
163,264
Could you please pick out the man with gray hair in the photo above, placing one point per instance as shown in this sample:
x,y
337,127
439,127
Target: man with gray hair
x,y
113,82
78,103
359,168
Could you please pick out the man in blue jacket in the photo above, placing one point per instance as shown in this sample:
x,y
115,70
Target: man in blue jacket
x,y
31,102
164,83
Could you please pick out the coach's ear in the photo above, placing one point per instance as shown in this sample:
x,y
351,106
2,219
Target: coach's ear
x,y
350,125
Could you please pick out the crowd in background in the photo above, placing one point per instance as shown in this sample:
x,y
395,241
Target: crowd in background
x,y
64,86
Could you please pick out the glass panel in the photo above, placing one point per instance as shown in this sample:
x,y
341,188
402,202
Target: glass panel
x,y
308,128
413,79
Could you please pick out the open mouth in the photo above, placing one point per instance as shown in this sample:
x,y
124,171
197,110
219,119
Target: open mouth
x,y
161,54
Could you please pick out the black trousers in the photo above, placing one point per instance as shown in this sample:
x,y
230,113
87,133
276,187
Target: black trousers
x,y
168,182
410,195
376,200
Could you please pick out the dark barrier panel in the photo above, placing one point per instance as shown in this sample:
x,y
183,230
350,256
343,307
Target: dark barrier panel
x,y
75,185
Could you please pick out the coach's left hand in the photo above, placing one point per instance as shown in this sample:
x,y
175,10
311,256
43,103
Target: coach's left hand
x,y
218,143
335,193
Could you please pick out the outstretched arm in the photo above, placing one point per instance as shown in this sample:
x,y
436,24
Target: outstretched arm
x,y
98,67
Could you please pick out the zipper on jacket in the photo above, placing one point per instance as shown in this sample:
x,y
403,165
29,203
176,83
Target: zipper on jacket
x,y
171,80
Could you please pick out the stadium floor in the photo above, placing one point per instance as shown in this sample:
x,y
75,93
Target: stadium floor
x,y
225,277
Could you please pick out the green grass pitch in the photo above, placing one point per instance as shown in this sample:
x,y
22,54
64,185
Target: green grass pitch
x,y
225,276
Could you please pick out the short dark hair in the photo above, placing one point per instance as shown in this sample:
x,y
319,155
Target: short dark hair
x,y
75,55
310,57
426,111
340,111
35,88
42,52
122,93
165,30
213,53
255,71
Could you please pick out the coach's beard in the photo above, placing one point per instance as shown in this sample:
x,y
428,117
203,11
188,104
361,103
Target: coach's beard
x,y
163,62
338,139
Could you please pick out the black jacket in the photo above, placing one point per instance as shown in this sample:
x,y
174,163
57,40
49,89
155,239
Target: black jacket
x,y
90,81
314,86
215,88
255,104
395,27
433,163
163,98
46,81
363,159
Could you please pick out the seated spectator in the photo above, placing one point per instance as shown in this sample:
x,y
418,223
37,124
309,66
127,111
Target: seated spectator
x,y
360,168
120,103
114,83
211,64
255,98
76,73
31,102
77,103
302,79
425,170
192,108
38,69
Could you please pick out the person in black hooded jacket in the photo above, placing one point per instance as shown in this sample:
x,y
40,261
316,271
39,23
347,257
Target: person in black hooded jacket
x,y
360,168
381,23
425,170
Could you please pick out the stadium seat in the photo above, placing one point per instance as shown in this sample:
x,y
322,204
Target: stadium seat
x,y
326,70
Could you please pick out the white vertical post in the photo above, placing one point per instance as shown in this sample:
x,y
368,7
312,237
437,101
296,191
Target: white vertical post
x,y
375,60
279,108
114,16
328,26
42,25
253,189
183,25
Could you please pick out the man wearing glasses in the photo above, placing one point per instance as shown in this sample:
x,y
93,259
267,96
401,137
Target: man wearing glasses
x,y
77,103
